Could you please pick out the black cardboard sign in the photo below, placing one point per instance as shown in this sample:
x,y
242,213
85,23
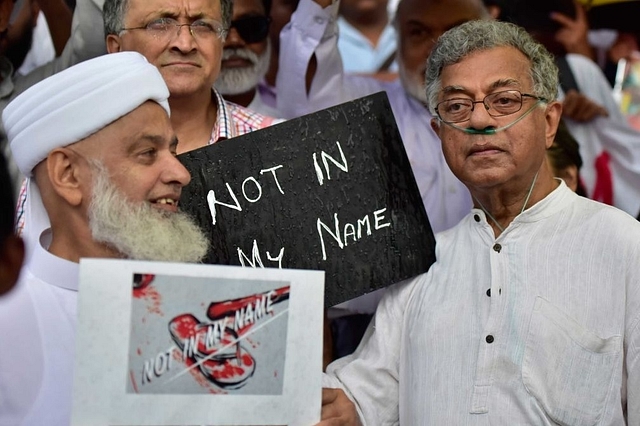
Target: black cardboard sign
x,y
331,190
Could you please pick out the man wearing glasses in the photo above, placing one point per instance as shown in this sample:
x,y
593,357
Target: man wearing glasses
x,y
185,41
531,313
246,56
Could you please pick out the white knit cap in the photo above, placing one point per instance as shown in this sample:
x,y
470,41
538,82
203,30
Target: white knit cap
x,y
77,102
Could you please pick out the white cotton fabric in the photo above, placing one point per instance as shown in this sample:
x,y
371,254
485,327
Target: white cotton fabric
x,y
563,315
77,102
37,331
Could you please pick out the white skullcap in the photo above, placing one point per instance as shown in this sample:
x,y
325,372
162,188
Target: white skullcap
x,y
77,102
68,107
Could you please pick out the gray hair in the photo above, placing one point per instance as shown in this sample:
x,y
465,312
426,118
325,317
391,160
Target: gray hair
x,y
474,36
113,13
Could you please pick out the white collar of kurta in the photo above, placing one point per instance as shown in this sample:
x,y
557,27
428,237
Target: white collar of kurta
x,y
555,201
53,269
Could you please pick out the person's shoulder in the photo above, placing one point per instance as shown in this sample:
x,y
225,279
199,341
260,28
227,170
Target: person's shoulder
x,y
617,222
246,119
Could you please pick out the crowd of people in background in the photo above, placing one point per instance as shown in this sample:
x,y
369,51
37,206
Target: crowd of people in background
x,y
230,67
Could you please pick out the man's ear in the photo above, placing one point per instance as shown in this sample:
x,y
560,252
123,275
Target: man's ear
x,y
67,174
435,125
552,117
113,43
11,258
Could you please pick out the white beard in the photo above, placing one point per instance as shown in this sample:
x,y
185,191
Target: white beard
x,y
412,83
138,230
234,81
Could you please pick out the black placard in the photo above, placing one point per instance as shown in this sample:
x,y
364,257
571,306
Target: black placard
x,y
331,190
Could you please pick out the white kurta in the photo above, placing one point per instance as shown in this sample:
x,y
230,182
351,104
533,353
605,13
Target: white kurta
x,y
540,325
37,343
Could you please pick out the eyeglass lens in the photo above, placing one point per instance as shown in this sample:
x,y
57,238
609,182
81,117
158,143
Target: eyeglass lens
x,y
497,104
252,29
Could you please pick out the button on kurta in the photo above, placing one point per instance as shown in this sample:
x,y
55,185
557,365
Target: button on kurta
x,y
476,217
489,292
497,248
489,339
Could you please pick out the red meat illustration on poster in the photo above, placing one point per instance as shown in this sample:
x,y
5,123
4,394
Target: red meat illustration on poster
x,y
195,335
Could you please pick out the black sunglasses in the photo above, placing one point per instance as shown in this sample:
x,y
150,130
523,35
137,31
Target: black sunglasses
x,y
252,29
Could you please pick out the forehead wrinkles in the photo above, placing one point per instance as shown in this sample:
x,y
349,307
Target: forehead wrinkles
x,y
493,68
500,84
176,8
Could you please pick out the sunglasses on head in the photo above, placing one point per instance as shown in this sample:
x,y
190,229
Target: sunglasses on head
x,y
252,29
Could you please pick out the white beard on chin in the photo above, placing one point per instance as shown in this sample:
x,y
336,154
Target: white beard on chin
x,y
234,81
138,230
412,83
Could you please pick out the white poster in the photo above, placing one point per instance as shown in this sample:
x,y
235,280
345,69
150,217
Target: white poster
x,y
183,344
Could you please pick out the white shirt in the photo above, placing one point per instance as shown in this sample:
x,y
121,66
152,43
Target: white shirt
x,y
313,30
557,340
37,343
359,55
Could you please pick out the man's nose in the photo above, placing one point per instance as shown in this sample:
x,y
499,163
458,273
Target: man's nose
x,y
184,40
175,171
233,38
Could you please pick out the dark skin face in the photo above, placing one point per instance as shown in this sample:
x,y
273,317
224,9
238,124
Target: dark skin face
x,y
244,9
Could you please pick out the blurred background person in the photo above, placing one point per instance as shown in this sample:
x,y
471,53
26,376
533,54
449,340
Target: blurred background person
x,y
246,56
609,146
79,37
565,160
36,44
368,40
281,11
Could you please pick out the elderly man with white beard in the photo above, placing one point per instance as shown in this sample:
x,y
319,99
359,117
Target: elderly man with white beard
x,y
246,56
97,142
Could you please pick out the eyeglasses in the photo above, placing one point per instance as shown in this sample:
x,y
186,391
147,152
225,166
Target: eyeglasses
x,y
201,29
252,29
497,104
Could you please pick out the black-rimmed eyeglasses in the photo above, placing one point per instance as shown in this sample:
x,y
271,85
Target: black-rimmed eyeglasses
x,y
507,102
252,29
167,29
